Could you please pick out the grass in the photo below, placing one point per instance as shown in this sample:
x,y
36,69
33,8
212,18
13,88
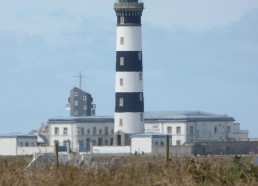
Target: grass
x,y
136,171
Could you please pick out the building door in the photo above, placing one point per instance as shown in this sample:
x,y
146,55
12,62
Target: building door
x,y
118,137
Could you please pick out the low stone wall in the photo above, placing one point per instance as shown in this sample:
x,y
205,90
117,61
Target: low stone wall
x,y
33,150
111,150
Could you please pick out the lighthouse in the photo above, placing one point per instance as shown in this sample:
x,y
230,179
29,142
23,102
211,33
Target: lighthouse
x,y
129,98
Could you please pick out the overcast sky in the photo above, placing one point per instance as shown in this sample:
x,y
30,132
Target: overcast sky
x,y
197,55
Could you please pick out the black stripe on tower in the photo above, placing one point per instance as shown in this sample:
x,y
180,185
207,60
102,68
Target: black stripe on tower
x,y
129,102
129,61
128,20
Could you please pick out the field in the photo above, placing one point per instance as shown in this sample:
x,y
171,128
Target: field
x,y
219,170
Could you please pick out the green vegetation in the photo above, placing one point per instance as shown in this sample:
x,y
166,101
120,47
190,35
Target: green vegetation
x,y
136,171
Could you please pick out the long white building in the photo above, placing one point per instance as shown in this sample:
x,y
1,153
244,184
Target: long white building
x,y
189,126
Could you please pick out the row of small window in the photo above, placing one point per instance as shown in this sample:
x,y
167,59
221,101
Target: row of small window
x,y
84,97
26,144
122,59
76,104
85,108
121,100
80,131
121,120
169,130
122,80
178,143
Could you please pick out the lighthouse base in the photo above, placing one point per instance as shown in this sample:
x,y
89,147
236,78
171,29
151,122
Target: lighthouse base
x,y
121,139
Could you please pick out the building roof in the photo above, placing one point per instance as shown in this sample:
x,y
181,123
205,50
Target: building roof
x,y
186,116
148,135
150,116
18,136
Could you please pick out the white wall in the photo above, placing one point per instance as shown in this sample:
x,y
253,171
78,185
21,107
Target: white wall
x,y
141,145
33,150
8,146
111,149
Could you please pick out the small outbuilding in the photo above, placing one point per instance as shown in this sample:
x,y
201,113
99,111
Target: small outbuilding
x,y
148,143
10,143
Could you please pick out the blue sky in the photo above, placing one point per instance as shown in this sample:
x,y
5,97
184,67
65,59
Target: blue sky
x,y
197,55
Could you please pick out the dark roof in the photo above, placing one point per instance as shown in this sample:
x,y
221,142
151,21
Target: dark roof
x,y
149,135
185,116
18,136
149,117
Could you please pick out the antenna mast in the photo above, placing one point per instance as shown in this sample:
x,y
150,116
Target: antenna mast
x,y
80,79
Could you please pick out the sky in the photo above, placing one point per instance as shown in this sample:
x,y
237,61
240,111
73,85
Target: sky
x,y
198,55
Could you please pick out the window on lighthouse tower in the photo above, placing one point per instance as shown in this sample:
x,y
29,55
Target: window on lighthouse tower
x,y
121,82
122,20
122,40
139,56
121,102
122,61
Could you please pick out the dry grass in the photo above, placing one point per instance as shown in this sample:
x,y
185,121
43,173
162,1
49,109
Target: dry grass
x,y
135,171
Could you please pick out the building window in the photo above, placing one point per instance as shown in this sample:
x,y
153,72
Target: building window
x,y
120,122
169,130
93,112
21,144
191,130
75,103
111,141
100,131
121,102
122,61
140,56
75,93
56,131
178,130
140,96
161,143
99,141
112,131
84,107
228,128
122,40
140,76
84,98
122,20
106,130
76,112
178,142
88,131
94,130
82,131
215,130
27,144
141,116
121,82
94,142
65,131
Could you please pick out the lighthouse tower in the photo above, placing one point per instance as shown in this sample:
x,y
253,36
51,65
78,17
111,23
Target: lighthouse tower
x,y
129,108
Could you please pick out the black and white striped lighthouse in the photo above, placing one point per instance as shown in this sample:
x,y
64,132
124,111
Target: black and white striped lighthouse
x,y
129,109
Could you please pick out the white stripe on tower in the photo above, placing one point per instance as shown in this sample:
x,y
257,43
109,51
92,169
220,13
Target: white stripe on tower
x,y
129,111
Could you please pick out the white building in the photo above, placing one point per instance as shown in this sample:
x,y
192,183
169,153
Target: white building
x,y
80,131
13,145
147,142
183,127
194,126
